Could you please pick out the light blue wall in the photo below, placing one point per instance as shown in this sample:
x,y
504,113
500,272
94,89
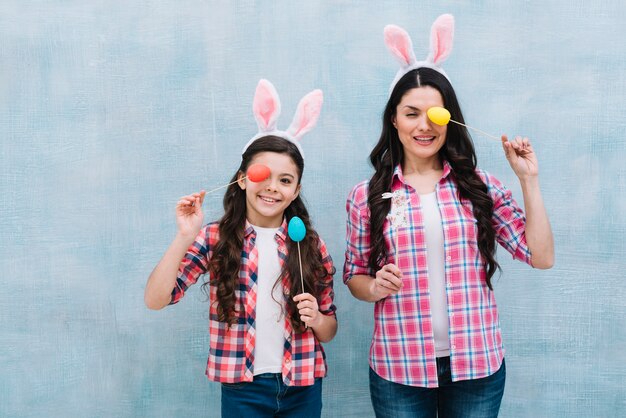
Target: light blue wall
x,y
111,110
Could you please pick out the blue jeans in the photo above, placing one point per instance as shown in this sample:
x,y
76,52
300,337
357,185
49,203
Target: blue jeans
x,y
268,396
477,398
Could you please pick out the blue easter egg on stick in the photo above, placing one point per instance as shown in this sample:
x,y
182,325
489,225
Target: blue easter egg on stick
x,y
296,229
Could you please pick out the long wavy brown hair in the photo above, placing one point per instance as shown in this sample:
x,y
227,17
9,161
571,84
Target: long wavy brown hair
x,y
225,262
458,151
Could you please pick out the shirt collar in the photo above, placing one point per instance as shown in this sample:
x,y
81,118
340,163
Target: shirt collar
x,y
281,233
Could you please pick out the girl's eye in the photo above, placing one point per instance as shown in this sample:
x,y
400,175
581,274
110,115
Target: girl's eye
x,y
286,181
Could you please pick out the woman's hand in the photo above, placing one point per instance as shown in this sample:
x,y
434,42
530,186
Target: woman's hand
x,y
521,157
388,281
189,215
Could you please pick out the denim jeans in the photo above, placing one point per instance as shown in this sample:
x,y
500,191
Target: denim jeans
x,y
477,398
268,396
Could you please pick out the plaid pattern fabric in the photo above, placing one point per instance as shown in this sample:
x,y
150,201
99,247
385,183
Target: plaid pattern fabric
x,y
231,353
403,347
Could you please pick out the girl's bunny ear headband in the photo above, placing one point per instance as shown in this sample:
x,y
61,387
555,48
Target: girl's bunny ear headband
x,y
266,108
399,44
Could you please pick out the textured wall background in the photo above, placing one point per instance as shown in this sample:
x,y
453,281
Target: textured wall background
x,y
111,110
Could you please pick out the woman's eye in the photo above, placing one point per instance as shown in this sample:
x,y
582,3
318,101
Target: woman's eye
x,y
411,115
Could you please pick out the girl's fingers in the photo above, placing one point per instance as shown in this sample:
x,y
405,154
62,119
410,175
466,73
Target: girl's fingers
x,y
307,305
303,296
307,312
192,202
193,196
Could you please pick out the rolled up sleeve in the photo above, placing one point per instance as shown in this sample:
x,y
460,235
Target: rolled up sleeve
x,y
508,220
194,264
357,233
327,293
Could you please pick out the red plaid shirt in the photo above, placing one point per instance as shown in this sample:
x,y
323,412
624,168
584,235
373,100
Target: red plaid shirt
x,y
231,351
403,346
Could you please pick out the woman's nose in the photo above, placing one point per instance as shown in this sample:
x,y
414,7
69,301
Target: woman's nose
x,y
423,124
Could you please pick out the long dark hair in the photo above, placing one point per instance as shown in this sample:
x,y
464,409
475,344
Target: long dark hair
x,y
458,151
225,262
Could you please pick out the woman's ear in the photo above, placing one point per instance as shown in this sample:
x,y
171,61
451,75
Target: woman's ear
x,y
393,121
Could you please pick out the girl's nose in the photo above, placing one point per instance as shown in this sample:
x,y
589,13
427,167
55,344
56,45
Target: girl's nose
x,y
271,184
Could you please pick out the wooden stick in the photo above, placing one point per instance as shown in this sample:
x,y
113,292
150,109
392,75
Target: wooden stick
x,y
301,277
226,185
476,129
300,261
396,244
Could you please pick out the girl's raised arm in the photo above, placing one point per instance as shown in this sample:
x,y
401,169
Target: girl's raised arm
x,y
189,219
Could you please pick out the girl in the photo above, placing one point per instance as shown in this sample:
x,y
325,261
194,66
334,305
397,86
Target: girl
x,y
437,346
265,330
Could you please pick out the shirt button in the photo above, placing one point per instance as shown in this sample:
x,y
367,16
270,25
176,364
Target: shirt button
x,y
449,258
453,346
287,361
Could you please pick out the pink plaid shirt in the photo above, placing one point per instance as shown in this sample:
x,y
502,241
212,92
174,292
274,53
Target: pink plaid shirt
x,y
231,351
403,346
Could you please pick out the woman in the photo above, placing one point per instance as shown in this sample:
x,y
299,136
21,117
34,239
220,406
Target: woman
x,y
437,346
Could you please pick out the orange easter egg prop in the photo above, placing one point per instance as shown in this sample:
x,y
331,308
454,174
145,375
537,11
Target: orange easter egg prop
x,y
258,172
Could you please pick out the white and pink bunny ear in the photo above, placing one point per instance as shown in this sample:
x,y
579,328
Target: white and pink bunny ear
x,y
399,44
307,113
441,38
266,106
266,109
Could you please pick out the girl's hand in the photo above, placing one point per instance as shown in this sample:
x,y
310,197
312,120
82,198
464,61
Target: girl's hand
x,y
521,157
189,215
388,281
308,309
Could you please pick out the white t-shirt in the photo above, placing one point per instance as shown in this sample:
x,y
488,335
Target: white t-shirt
x,y
433,233
269,346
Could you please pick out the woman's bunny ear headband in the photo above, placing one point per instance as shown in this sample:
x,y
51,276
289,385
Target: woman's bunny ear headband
x,y
266,109
399,44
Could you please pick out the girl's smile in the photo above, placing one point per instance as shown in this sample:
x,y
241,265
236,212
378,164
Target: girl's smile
x,y
268,200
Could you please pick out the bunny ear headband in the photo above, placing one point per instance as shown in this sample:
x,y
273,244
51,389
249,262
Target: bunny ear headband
x,y
399,44
266,109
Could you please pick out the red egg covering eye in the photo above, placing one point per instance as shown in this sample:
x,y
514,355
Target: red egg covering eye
x,y
258,172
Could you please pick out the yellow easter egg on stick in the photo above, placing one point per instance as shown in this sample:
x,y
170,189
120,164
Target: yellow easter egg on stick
x,y
438,115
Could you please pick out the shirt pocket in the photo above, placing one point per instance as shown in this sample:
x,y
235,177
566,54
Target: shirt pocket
x,y
225,341
463,227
